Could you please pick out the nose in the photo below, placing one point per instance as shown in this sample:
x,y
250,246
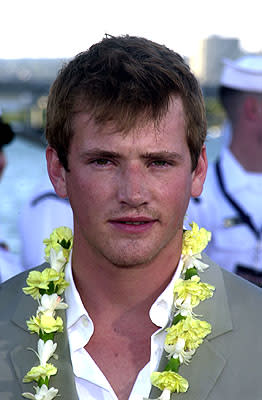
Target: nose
x,y
132,186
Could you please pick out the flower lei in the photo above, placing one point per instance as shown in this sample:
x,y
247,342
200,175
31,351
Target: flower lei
x,y
46,287
186,332
182,339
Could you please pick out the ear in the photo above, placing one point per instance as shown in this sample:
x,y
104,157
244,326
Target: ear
x,y
251,108
199,174
56,172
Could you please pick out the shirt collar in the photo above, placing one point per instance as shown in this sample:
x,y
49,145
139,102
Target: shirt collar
x,y
76,308
161,309
238,177
159,312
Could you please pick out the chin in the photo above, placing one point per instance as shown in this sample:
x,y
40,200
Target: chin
x,y
130,259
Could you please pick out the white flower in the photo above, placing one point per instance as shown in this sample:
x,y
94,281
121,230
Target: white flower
x,y
56,260
46,350
184,307
177,350
50,303
194,261
42,393
166,395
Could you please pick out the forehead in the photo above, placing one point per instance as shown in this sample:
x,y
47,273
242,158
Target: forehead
x,y
172,121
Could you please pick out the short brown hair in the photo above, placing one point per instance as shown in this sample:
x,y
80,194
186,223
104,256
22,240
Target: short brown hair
x,y
120,80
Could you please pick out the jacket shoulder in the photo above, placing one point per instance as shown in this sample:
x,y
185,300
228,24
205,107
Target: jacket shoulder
x,y
10,289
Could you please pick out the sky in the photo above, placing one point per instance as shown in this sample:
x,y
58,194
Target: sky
x,y
62,28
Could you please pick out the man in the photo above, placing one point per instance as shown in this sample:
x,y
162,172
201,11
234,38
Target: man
x,y
230,203
126,129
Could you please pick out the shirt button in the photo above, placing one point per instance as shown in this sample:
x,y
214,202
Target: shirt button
x,y
85,321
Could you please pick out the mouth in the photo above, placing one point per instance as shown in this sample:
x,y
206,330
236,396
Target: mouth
x,y
133,224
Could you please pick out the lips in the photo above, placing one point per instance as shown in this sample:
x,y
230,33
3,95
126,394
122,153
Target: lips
x,y
133,224
133,220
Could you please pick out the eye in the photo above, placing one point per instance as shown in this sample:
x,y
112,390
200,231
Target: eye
x,y
159,163
101,162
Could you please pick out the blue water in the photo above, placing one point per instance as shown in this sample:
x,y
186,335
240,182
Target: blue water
x,y
25,169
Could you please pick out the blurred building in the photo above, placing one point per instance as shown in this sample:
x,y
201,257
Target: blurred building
x,y
24,86
207,61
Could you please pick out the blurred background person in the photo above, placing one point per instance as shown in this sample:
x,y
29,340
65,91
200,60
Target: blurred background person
x,y
9,264
6,137
230,205
42,212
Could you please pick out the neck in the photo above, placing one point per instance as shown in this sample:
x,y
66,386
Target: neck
x,y
247,150
105,288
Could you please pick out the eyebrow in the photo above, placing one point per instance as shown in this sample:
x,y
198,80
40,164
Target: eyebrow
x,y
162,155
100,153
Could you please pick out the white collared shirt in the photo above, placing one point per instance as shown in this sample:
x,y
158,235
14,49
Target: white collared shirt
x,y
230,245
91,383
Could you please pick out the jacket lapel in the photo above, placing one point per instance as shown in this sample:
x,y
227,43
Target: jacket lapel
x,y
23,359
207,364
64,380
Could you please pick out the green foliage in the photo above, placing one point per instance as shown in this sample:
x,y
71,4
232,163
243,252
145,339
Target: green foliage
x,y
214,111
178,318
173,365
190,272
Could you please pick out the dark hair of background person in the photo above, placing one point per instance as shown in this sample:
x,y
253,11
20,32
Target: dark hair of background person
x,y
125,81
6,134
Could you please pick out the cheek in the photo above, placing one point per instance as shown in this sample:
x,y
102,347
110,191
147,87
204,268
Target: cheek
x,y
175,195
91,193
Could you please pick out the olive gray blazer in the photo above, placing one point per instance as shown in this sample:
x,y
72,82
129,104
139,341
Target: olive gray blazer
x,y
226,366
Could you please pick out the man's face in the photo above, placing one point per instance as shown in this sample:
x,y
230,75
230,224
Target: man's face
x,y
129,193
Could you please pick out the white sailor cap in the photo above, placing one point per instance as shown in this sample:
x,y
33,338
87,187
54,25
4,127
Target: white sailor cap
x,y
245,74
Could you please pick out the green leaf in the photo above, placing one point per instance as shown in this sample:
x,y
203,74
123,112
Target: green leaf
x,y
43,381
46,336
178,318
190,272
65,243
51,288
173,365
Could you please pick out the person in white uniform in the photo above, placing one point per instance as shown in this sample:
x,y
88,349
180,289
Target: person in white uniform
x,y
230,205
9,263
42,212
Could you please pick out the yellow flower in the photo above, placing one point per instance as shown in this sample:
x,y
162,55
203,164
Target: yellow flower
x,y
198,291
192,330
196,240
169,380
45,323
41,371
60,238
41,280
61,284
